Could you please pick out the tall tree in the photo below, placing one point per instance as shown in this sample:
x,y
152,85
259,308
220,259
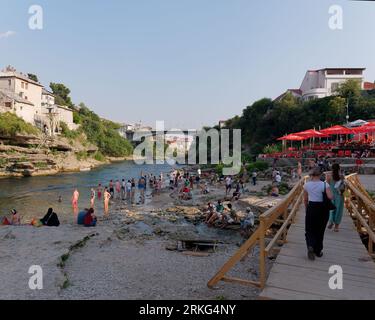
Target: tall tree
x,y
62,94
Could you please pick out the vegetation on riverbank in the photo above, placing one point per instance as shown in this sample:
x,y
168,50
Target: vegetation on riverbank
x,y
100,132
10,125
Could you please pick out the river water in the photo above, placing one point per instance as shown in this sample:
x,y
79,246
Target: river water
x,y
31,197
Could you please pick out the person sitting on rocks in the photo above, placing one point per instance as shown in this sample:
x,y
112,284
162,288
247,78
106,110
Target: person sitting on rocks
x,y
218,214
185,194
247,223
90,218
229,216
210,211
274,191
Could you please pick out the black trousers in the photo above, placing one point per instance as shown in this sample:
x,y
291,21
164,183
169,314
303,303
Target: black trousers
x,y
315,225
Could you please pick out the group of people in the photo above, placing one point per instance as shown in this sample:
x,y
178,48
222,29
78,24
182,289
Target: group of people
x,y
226,215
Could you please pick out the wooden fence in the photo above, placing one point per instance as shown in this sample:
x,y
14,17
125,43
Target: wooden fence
x,y
283,213
359,204
361,208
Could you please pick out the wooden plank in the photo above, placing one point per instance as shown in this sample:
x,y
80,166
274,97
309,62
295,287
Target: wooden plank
x,y
293,276
351,289
316,274
324,266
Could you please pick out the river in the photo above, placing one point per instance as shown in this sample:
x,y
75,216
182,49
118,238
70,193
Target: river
x,y
31,197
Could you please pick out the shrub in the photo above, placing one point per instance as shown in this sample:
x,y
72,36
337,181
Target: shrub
x,y
258,165
10,125
81,155
98,156
67,133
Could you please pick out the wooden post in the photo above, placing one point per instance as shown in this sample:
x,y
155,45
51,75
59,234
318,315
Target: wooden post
x,y
370,242
262,256
360,210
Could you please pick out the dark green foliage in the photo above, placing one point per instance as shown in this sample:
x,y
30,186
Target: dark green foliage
x,y
103,133
61,93
258,166
10,125
266,120
32,77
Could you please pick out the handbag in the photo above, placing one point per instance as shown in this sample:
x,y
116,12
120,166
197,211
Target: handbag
x,y
327,203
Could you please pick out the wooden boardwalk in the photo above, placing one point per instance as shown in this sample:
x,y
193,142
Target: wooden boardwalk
x,y
295,277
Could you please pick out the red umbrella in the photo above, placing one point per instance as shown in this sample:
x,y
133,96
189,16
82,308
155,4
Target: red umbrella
x,y
337,130
292,137
369,126
311,133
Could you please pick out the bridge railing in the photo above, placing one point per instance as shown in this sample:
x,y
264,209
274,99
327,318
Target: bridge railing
x,y
283,213
361,208
359,204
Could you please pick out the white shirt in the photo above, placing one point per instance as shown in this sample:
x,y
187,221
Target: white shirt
x,y
278,178
315,190
128,186
228,181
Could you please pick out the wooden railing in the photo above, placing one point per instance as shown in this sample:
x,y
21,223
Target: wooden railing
x,y
361,208
358,202
284,213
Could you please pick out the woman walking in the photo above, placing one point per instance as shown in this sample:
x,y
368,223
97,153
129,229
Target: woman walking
x,y
337,184
317,213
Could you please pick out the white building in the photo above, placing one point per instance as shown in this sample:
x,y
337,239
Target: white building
x,y
30,101
20,95
324,82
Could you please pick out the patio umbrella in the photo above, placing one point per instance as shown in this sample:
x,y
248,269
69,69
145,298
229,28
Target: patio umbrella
x,y
337,130
311,133
292,137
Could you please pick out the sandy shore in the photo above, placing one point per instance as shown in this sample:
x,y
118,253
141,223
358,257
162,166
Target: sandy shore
x,y
125,257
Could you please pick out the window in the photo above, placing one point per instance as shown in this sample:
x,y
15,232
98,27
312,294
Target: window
x,y
22,85
26,85
21,94
334,86
9,83
25,97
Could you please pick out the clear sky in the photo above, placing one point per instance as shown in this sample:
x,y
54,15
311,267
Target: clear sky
x,y
188,62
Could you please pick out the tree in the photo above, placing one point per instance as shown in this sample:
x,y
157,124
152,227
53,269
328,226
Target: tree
x,y
350,89
61,93
33,77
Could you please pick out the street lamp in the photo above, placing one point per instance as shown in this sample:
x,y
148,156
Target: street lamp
x,y
347,111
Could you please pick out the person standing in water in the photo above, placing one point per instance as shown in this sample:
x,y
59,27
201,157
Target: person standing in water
x,y
99,191
106,197
337,184
111,189
123,189
75,198
92,198
132,193
118,188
